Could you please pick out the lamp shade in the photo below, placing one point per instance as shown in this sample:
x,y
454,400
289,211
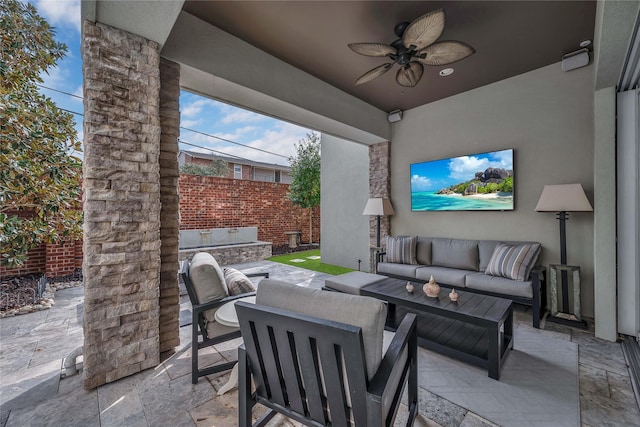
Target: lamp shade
x,y
378,206
563,198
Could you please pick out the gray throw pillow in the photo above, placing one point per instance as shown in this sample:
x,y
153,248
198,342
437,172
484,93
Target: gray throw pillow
x,y
513,261
401,249
237,282
207,278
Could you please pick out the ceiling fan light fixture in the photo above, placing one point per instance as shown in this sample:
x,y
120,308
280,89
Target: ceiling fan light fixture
x,y
446,72
416,46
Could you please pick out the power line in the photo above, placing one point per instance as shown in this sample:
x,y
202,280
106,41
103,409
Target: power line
x,y
181,127
233,142
59,91
216,151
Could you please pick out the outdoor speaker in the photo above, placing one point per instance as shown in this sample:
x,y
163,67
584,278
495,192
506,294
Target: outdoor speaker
x,y
395,116
576,59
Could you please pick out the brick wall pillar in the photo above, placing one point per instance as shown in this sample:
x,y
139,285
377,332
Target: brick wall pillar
x,y
379,186
121,204
169,222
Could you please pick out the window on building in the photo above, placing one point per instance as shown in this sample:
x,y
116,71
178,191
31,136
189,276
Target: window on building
x,y
277,176
237,171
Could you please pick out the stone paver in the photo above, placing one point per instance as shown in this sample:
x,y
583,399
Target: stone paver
x,y
32,348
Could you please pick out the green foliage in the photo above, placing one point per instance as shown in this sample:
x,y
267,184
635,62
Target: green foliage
x,y
40,181
304,190
506,185
217,167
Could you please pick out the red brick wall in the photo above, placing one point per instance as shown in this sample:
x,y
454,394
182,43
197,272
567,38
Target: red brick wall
x,y
34,265
63,258
214,202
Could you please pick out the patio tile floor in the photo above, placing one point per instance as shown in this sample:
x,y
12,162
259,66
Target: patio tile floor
x,y
32,348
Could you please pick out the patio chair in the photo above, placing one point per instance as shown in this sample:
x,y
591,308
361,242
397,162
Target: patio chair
x,y
317,358
205,283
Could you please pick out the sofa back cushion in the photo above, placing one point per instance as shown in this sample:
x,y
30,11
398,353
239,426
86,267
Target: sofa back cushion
x,y
423,250
367,313
455,253
401,249
513,261
207,278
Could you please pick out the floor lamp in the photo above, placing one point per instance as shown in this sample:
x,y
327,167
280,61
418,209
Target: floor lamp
x,y
563,199
378,206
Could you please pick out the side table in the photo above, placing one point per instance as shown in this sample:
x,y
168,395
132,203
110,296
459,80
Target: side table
x,y
227,316
569,280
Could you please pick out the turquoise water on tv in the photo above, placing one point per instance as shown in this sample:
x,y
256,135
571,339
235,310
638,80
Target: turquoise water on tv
x,y
430,201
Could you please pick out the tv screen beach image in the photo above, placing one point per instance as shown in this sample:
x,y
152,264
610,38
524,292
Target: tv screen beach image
x,y
474,182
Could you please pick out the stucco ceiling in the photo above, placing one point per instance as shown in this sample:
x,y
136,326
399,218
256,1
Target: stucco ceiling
x,y
510,38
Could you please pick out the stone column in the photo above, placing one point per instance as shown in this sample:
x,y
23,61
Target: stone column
x,y
121,262
379,186
169,223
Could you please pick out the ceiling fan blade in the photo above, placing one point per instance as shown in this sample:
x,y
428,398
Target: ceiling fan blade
x,y
410,74
372,49
374,73
446,52
424,30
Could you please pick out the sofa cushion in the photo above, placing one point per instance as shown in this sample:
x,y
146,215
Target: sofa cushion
x,y
401,249
486,248
443,275
352,282
207,278
367,313
499,285
237,282
513,261
403,270
423,250
455,253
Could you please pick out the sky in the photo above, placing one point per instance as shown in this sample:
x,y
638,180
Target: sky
x,y
200,114
438,174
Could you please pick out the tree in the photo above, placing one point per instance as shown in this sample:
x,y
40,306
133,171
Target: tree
x,y
304,190
217,167
40,179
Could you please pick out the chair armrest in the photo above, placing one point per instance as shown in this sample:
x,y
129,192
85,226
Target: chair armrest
x,y
265,275
406,335
201,308
537,274
380,256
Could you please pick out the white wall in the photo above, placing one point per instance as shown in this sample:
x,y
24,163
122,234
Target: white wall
x,y
546,116
344,192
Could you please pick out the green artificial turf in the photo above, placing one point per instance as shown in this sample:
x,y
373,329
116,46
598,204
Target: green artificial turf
x,y
310,264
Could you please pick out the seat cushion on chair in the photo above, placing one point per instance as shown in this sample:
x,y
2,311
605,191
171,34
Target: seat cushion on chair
x,y
207,278
367,313
237,282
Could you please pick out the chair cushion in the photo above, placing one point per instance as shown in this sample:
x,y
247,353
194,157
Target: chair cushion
x,y
207,278
513,261
401,249
367,313
237,282
455,253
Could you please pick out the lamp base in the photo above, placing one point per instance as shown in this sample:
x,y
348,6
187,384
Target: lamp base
x,y
566,319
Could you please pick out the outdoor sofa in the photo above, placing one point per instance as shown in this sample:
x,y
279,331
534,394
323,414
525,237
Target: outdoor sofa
x,y
500,268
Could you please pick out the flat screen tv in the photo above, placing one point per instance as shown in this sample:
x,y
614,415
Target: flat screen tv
x,y
474,182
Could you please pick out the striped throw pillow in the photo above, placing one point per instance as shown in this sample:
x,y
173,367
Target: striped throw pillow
x,y
401,249
513,261
237,282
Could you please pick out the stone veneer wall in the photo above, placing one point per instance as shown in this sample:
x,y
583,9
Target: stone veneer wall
x,y
169,221
121,204
379,186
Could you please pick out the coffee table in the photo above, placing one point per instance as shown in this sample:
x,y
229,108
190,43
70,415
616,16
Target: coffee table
x,y
477,329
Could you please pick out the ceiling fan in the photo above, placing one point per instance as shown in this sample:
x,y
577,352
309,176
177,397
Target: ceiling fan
x,y
417,45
